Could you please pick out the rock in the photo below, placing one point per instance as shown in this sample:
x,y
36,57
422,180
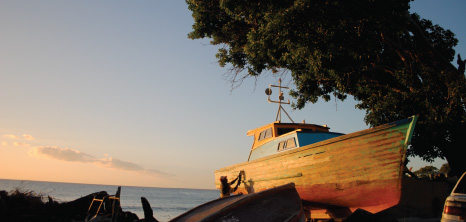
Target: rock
x,y
148,213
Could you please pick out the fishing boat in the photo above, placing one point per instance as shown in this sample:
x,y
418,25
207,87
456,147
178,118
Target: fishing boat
x,y
333,173
279,204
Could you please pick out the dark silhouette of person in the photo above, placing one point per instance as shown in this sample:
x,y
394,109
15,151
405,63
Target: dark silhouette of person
x,y
225,186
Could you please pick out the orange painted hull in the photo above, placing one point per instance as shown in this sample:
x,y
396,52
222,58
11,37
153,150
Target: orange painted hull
x,y
358,170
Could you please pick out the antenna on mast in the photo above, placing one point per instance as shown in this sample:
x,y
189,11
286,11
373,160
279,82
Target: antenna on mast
x,y
268,91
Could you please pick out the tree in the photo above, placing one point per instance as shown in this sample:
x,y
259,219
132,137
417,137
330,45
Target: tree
x,y
426,171
445,169
392,62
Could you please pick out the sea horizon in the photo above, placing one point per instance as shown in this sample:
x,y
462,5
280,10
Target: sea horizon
x,y
166,203
105,184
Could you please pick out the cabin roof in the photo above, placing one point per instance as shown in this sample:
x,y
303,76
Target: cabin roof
x,y
275,129
277,124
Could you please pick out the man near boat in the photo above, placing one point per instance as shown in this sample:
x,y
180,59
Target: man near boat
x,y
226,187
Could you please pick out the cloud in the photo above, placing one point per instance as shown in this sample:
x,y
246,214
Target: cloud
x,y
71,155
64,154
28,137
11,136
156,172
15,140
20,144
118,164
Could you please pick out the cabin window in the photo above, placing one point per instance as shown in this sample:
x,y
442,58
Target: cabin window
x,y
287,144
281,131
281,145
291,143
265,134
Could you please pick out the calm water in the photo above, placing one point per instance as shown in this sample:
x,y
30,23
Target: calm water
x,y
166,203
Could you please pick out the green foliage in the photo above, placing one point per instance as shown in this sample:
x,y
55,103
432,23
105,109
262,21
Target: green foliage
x,y
445,168
426,171
394,63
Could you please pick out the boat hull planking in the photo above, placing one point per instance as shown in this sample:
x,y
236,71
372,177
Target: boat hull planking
x,y
357,170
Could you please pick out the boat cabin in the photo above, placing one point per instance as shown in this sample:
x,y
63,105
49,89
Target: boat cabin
x,y
278,137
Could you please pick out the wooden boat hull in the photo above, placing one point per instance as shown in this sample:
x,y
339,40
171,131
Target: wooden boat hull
x,y
357,170
280,204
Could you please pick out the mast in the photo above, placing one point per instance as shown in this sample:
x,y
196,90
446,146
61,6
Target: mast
x,y
268,91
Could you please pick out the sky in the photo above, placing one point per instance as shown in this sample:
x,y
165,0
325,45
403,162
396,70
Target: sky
x,y
113,92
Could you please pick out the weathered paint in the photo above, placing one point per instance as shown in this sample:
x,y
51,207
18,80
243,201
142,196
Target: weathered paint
x,y
357,170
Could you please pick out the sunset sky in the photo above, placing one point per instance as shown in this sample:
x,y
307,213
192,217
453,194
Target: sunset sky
x,y
113,92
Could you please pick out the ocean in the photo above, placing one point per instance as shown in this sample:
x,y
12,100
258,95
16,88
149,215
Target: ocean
x,y
166,203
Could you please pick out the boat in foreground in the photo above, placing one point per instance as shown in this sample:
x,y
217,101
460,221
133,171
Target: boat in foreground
x,y
280,204
330,170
